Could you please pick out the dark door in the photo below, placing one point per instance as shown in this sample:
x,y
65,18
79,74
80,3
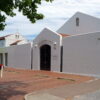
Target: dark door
x,y
45,57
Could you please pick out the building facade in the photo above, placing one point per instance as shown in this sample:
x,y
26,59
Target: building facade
x,y
74,48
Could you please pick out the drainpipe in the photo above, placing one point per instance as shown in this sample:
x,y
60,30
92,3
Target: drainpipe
x,y
61,63
31,56
61,55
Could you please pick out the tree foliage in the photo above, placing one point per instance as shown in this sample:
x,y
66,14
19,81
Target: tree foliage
x,y
27,7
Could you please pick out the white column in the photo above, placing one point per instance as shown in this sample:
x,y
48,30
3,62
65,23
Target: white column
x,y
4,59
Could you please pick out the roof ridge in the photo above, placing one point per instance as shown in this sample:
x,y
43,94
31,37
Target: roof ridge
x,y
64,35
14,43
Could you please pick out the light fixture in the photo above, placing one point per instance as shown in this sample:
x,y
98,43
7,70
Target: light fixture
x,y
55,43
35,45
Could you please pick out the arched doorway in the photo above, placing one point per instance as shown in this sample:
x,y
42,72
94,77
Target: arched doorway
x,y
45,57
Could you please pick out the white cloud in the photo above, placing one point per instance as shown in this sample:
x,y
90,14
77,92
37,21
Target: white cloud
x,y
56,13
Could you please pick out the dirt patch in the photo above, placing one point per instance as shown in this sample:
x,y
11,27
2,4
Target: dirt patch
x,y
16,82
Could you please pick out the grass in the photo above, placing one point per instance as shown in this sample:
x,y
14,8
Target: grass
x,y
68,79
42,75
11,71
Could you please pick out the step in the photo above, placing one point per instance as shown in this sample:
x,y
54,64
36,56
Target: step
x,y
42,96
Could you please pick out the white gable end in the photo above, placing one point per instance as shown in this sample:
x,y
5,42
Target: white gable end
x,y
86,23
47,34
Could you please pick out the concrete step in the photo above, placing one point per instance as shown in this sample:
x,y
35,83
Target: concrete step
x,y
42,96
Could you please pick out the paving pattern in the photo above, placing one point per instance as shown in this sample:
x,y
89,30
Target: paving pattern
x,y
16,83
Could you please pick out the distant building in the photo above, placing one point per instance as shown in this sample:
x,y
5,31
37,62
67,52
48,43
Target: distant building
x,y
12,39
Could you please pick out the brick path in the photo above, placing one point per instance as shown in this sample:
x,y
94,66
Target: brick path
x,y
16,83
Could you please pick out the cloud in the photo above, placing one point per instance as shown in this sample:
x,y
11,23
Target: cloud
x,y
56,13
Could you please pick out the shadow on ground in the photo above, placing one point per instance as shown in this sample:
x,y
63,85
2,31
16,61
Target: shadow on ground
x,y
9,89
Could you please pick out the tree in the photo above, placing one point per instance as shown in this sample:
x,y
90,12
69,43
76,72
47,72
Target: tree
x,y
27,7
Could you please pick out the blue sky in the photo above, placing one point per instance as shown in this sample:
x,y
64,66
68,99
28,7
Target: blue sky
x,y
56,13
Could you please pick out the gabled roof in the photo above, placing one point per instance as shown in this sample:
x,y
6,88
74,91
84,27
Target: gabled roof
x,y
15,43
3,37
87,24
45,32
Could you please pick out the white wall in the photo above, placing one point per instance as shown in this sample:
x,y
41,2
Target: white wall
x,y
47,37
81,54
19,56
87,24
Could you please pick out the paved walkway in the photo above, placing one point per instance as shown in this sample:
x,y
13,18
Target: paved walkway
x,y
69,91
16,83
89,96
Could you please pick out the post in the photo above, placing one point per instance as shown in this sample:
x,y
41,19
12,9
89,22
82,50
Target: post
x,y
4,59
1,70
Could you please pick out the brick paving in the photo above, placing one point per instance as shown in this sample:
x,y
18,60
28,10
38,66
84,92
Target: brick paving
x,y
16,82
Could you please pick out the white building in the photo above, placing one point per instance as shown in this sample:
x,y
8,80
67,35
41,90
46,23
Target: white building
x,y
12,39
74,48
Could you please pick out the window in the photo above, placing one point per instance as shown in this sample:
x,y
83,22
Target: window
x,y
17,36
77,21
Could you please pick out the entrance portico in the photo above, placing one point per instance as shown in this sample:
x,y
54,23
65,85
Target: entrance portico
x,y
46,51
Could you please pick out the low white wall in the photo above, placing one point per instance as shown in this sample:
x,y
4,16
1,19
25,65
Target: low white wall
x,y
19,56
81,54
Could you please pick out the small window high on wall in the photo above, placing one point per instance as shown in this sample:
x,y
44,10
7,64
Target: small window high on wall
x,y
77,21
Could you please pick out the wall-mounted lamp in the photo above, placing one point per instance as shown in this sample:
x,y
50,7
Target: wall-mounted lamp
x,y
35,45
55,44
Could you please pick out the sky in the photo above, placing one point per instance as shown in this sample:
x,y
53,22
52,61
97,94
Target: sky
x,y
56,14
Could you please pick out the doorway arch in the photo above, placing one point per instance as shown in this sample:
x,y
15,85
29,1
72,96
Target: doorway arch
x,y
45,57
